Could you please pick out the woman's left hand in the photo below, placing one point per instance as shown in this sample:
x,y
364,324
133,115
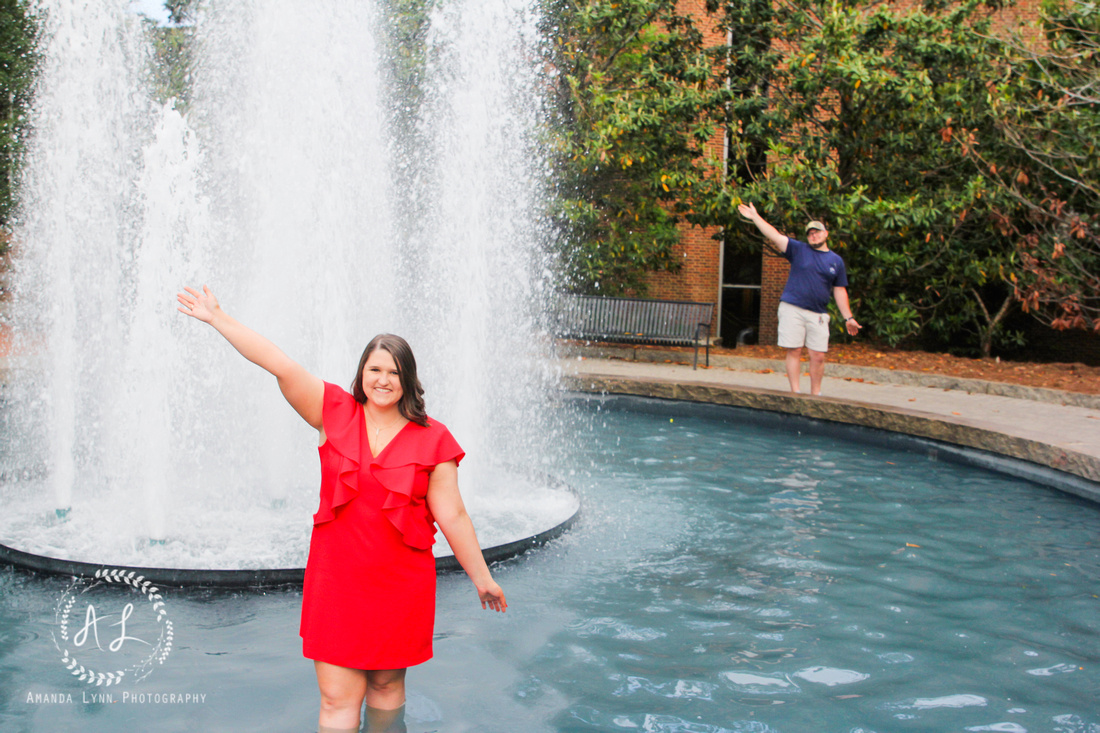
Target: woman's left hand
x,y
492,596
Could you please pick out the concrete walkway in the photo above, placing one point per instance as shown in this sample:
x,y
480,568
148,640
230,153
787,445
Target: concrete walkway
x,y
1061,436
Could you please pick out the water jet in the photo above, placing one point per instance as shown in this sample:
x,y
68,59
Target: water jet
x,y
321,217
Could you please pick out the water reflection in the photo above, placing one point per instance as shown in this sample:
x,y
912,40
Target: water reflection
x,y
673,606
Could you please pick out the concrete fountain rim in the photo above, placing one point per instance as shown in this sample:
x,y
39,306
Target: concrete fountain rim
x,y
270,577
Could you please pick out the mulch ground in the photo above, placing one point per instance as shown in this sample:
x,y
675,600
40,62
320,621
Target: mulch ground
x,y
1070,377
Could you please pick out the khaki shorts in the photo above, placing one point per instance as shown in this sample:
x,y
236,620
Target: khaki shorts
x,y
799,327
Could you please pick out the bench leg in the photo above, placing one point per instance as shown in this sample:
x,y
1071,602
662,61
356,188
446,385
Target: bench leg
x,y
706,343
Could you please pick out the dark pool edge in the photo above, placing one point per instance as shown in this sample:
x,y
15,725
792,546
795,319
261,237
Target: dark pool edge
x,y
1065,470
258,578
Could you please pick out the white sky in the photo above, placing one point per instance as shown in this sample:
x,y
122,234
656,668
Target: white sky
x,y
151,8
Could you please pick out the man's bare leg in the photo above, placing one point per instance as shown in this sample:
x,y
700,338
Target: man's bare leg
x,y
794,368
817,370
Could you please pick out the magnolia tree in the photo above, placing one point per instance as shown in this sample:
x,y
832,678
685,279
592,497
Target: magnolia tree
x,y
852,109
637,97
18,58
939,152
1044,159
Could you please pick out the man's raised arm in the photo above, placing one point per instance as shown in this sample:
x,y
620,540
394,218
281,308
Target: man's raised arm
x,y
749,212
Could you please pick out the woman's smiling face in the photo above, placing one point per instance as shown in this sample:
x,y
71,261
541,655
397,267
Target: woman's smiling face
x,y
381,380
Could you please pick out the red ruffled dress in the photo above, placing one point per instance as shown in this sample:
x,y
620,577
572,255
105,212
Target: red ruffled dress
x,y
369,596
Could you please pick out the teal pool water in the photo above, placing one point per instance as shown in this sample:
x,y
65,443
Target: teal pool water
x,y
724,577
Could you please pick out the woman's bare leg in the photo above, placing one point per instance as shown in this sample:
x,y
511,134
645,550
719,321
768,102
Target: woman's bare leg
x,y
385,700
386,721
385,688
342,692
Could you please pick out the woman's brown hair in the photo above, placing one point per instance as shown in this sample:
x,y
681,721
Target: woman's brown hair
x,y
411,405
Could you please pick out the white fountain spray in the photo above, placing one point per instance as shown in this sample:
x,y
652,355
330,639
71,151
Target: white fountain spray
x,y
173,217
78,236
277,189
479,253
287,101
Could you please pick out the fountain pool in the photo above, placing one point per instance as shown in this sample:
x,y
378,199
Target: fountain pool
x,y
724,577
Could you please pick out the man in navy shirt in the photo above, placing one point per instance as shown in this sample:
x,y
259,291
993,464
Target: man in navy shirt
x,y
817,273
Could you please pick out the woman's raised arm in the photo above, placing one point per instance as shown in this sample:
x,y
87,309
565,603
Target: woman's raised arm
x,y
304,391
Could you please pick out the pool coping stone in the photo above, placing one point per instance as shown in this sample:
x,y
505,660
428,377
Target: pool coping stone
x,y
1014,429
842,371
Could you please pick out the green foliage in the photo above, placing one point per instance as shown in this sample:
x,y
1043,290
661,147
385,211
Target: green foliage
x,y
405,24
172,59
854,106
181,12
173,53
849,112
637,96
1045,162
403,33
18,59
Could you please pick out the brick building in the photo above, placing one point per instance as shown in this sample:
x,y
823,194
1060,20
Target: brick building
x,y
746,290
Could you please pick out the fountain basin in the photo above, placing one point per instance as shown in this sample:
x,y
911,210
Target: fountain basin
x,y
542,509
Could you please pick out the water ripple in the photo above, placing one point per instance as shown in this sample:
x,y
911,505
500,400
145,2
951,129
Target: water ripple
x,y
1050,671
947,701
760,684
678,689
1074,724
831,676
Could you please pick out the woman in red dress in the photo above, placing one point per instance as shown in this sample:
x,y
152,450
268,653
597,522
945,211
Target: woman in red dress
x,y
389,474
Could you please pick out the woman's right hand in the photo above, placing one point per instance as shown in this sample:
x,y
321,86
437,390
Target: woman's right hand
x,y
198,305
304,392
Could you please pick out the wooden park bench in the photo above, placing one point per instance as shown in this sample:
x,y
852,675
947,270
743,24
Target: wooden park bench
x,y
637,320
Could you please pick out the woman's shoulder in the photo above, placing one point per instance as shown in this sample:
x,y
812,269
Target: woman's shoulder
x,y
335,391
431,429
340,411
433,424
433,442
337,396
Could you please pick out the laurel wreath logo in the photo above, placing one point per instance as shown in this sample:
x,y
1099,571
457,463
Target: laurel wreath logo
x,y
135,672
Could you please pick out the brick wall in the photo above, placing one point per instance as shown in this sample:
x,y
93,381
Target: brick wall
x,y
700,278
772,279
700,270
700,253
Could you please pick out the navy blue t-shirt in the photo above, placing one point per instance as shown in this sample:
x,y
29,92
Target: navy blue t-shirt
x,y
813,276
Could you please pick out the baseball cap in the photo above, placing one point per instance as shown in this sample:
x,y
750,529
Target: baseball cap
x,y
816,225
